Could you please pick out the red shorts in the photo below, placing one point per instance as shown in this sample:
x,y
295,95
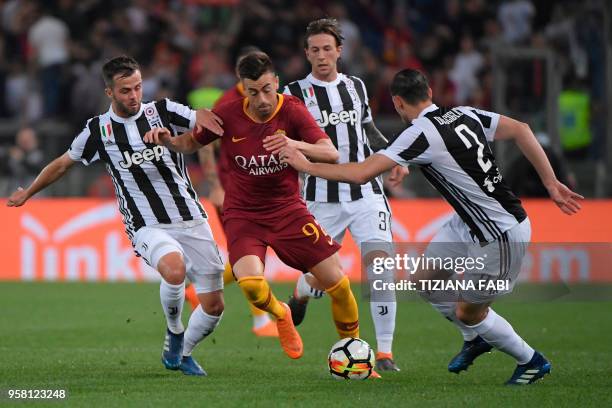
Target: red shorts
x,y
298,240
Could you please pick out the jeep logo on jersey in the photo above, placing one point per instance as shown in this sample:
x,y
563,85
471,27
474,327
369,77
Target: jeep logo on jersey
x,y
260,165
336,118
136,158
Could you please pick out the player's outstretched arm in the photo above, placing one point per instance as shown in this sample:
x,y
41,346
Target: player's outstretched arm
x,y
564,198
378,142
356,173
51,173
184,143
323,150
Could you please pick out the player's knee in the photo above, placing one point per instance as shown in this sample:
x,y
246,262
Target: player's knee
x,y
470,315
213,305
215,308
172,268
174,277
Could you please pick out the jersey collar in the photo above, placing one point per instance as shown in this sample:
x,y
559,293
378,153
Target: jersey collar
x,y
119,119
428,109
310,78
240,89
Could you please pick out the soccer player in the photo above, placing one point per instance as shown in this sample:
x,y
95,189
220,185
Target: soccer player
x,y
451,148
263,326
162,215
262,206
339,103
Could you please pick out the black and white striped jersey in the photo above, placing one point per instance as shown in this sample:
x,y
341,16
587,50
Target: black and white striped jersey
x,y
340,107
451,146
151,183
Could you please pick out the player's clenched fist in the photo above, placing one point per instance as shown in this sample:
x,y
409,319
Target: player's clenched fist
x,y
276,142
158,135
396,175
293,157
17,199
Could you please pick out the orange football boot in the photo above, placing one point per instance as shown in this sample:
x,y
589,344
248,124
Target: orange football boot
x,y
289,338
267,330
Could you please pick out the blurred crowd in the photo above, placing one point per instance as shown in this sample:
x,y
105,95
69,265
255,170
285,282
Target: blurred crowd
x,y
51,52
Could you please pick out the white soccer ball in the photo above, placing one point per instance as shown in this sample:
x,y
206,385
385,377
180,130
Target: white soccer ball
x,y
351,359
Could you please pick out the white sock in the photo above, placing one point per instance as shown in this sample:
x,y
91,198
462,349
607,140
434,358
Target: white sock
x,y
383,315
303,288
260,320
496,331
447,309
200,325
172,299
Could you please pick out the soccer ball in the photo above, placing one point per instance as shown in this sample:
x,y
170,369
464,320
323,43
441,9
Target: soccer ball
x,y
351,359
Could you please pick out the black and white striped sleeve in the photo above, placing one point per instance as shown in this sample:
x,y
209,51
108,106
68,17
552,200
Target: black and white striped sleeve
x,y
410,147
182,117
489,120
362,91
84,147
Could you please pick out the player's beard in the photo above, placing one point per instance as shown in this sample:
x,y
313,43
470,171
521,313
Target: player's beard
x,y
264,110
127,110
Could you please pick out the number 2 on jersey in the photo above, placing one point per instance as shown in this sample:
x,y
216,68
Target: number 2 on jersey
x,y
461,131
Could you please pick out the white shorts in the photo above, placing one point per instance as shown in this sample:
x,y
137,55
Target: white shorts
x,y
194,240
368,219
498,261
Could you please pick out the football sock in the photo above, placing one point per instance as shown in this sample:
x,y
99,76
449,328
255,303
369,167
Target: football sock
x,y
496,331
258,293
172,299
228,275
447,309
200,325
260,317
344,309
383,315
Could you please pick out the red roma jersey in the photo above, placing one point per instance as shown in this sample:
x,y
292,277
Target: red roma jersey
x,y
259,186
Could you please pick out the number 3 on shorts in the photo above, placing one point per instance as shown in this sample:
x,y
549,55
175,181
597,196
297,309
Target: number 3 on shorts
x,y
312,230
382,225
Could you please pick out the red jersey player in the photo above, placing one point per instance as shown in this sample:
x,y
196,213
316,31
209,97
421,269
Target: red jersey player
x,y
262,205
217,174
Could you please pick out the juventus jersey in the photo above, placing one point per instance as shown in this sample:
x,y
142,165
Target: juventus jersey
x,y
340,108
151,182
451,147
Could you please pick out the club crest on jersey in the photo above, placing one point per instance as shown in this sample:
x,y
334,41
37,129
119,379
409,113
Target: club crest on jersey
x,y
334,118
260,165
137,158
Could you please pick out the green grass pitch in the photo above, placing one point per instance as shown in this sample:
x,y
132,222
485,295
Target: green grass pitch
x,y
102,343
